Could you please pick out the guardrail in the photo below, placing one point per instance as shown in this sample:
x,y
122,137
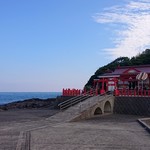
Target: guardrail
x,y
72,101
92,102
76,99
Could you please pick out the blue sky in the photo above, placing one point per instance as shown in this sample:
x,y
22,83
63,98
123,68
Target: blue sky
x,y
53,44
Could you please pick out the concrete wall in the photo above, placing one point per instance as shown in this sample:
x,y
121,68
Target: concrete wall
x,y
132,105
119,105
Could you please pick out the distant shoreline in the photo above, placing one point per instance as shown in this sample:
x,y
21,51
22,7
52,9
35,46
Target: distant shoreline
x,y
9,97
32,103
35,103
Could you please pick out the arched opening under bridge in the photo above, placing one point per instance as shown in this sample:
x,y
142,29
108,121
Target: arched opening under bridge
x,y
98,111
107,107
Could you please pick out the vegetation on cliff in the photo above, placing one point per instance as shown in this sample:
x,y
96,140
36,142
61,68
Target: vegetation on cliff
x,y
140,59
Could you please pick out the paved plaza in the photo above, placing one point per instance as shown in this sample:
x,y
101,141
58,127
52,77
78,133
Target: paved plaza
x,y
36,131
105,133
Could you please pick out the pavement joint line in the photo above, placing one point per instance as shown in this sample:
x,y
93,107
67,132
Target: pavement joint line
x,y
23,141
20,140
25,136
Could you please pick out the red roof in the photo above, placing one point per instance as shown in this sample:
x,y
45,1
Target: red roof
x,y
130,69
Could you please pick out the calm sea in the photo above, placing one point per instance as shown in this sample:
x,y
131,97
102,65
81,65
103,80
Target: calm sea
x,y
7,97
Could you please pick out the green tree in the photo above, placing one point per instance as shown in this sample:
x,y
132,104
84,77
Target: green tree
x,y
140,59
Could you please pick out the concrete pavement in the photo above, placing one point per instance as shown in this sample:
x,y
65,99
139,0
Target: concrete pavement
x,y
36,130
100,133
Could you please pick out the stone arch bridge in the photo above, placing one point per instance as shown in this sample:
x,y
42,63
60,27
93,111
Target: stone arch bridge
x,y
97,105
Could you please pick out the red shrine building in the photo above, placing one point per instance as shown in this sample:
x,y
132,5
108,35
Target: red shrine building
x,y
125,80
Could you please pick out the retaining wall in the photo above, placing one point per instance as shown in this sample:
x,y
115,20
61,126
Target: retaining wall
x,y
132,105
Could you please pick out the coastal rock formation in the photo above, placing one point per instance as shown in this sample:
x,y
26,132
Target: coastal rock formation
x,y
51,103
30,103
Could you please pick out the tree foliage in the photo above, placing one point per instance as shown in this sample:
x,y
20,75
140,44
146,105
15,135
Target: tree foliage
x,y
140,59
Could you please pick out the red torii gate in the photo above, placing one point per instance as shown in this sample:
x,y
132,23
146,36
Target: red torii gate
x,y
105,83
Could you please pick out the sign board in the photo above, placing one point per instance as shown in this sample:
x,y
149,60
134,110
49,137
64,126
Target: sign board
x,y
142,76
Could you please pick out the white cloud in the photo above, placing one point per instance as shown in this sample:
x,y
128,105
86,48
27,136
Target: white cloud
x,y
134,19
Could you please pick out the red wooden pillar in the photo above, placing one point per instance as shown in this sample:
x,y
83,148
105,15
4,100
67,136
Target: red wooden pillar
x,y
102,91
72,92
116,92
64,92
134,92
79,91
123,84
94,83
91,92
125,92
128,92
106,85
84,92
76,92
68,92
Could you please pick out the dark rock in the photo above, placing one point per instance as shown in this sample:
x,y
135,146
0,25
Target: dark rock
x,y
29,104
34,103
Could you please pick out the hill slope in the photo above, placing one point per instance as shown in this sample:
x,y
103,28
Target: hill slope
x,y
140,59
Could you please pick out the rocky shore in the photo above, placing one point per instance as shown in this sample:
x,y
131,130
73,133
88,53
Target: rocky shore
x,y
30,104
34,103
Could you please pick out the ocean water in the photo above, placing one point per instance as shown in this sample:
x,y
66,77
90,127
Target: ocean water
x,y
7,97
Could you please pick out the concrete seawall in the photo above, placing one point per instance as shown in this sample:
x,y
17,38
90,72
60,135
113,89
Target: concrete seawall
x,y
132,105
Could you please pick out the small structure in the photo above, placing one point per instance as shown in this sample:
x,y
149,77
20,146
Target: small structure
x,y
127,80
71,92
